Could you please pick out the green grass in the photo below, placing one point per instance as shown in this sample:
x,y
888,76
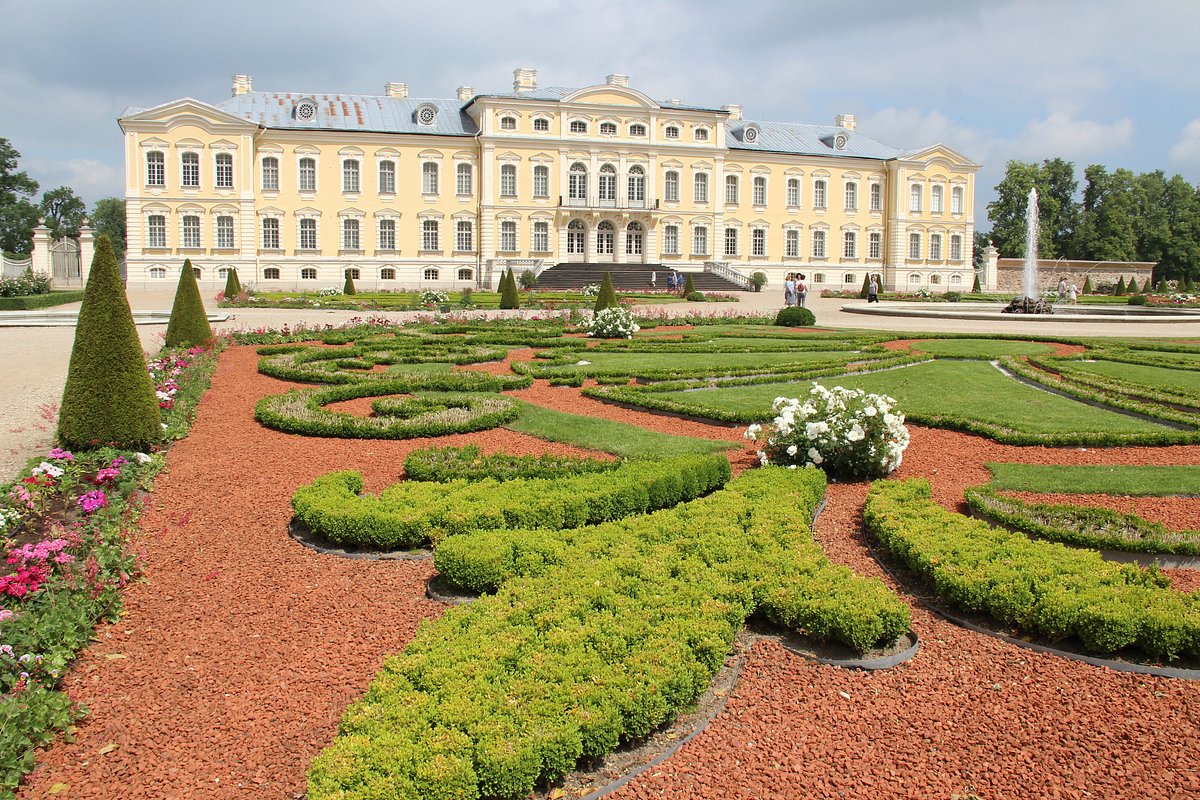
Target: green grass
x,y
1179,380
633,363
618,438
981,348
426,367
1134,481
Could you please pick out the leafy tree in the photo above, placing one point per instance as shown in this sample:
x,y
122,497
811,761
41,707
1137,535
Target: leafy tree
x,y
529,280
64,212
109,397
981,241
1008,211
607,298
1060,211
108,218
509,296
1107,229
189,322
18,216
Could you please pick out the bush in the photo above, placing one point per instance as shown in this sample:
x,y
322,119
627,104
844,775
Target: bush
x,y
35,301
865,290
233,287
1137,300
612,323
795,317
189,321
433,297
348,287
952,296
1087,285
975,287
1120,290
695,297
850,434
529,280
758,280
26,284
445,464
689,285
606,297
109,397
508,291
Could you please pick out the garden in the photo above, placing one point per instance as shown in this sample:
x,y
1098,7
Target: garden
x,y
453,559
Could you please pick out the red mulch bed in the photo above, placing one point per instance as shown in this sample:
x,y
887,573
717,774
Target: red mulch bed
x,y
236,658
1174,513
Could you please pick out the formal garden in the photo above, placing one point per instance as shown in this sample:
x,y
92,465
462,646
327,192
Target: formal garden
x,y
596,553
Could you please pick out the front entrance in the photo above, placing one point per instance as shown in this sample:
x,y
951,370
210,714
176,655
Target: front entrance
x,y
635,242
606,235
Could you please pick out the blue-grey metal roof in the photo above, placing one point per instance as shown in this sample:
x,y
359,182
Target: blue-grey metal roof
x,y
809,140
350,112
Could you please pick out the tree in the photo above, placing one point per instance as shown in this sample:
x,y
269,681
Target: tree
x,y
866,287
233,286
348,287
975,287
1007,211
509,297
607,298
18,216
1060,215
108,218
1120,290
189,322
1087,285
981,241
1107,232
689,286
109,397
64,212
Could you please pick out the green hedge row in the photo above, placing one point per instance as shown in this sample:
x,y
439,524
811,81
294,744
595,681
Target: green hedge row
x,y
1155,395
36,301
325,365
1041,588
1083,525
445,464
568,372
414,513
568,661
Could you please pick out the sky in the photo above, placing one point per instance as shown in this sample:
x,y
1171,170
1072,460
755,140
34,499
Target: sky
x,y
1111,82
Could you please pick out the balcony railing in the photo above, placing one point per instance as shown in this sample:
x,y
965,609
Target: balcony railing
x,y
620,203
722,269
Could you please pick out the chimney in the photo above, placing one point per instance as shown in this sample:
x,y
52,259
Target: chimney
x,y
617,79
524,80
844,121
395,89
465,93
674,101
242,84
735,110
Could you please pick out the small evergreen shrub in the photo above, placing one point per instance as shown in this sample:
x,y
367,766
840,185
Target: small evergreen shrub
x,y
1137,300
689,285
1162,286
952,296
975,287
189,321
348,287
606,297
509,297
529,280
1087,285
695,297
233,287
1120,290
865,291
795,317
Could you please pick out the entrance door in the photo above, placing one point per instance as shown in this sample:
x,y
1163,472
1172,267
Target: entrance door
x,y
576,241
606,235
635,240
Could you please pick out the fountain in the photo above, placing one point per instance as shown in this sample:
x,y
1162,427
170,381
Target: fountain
x,y
1030,302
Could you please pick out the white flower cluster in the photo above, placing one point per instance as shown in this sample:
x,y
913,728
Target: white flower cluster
x,y
591,290
612,323
847,432
46,468
434,297
9,517
329,292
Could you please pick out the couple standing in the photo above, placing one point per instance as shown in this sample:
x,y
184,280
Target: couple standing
x,y
795,289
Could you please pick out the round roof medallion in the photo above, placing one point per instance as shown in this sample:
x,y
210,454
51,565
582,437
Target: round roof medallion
x,y
751,134
840,140
427,115
306,110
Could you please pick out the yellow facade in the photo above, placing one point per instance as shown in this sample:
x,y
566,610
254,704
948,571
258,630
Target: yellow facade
x,y
294,190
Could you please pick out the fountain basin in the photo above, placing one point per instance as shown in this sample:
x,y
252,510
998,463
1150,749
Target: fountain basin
x,y
992,311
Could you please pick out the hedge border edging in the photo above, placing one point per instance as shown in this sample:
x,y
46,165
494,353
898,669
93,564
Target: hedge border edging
x,y
304,536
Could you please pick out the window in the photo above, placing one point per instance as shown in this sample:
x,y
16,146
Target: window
x,y
700,188
605,237
791,243
350,235
541,237
387,234
760,190
577,182
633,239
701,134
224,171
956,248
429,178
851,196
353,273
671,132
198,273
308,274
607,185
793,192
914,277
731,241
156,231
225,233
819,194
429,234
271,274
191,170
608,129
731,189
508,180
700,241
956,279
578,126
308,175
849,278
466,274
935,247
876,197
430,274
575,234
387,274
818,244
637,129
463,179
819,277
158,272
956,200
914,245
350,175
914,197
156,169
387,177
935,279
637,184
191,231
541,124
508,123
671,187
270,174
671,240
541,181
508,236
308,234
758,242
874,245
464,236
935,199
849,245
270,233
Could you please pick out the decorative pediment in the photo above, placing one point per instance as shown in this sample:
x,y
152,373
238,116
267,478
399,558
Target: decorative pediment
x,y
941,155
609,95
186,111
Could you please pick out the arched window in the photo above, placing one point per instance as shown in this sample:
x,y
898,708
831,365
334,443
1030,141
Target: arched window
x,y
387,274
607,185
308,274
270,174
914,245
508,236
876,198
271,274
956,279
430,274
670,240
849,245
637,184
935,199
819,194
191,231
190,174
466,274
508,123
818,244
700,240
156,169
700,188
758,242
353,273
935,279
224,171
578,126
156,231
793,191
463,183
731,242
429,235
387,177
671,186
875,245
541,181
350,182
608,129
760,190
387,234
541,124
464,241
508,180
914,197
575,237
671,132
914,277
956,200
633,239
429,177
956,253
851,196
541,237
308,175
577,182
225,232
791,243
605,236
158,272
700,134
637,129
351,239
731,189
935,247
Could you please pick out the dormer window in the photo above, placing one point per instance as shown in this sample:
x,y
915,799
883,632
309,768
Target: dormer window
x,y
426,114
671,132
840,141
701,134
750,134
637,129
608,129
508,123
305,110
578,126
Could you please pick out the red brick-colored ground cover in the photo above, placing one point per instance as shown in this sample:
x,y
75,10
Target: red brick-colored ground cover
x,y
235,659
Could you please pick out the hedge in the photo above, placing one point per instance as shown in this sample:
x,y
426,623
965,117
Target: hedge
x,y
36,301
415,513
1041,588
445,464
513,690
327,365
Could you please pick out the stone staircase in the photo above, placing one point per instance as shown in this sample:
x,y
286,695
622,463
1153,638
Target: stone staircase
x,y
626,277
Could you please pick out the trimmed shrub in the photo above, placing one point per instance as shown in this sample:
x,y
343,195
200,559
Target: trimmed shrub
x,y
509,297
1120,290
445,464
1087,285
1188,284
348,287
758,280
606,297
975,287
233,286
795,317
109,397
1162,286
35,301
1137,300
866,287
189,321
689,285
529,280
695,297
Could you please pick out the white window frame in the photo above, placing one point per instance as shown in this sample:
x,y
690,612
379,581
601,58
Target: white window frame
x,y
351,176
875,197
793,192
156,170
731,190
189,162
309,186
578,126
914,246
758,242
759,190
387,176
190,232
937,199
541,180
508,123
224,226
671,132
700,188
308,274
849,244
351,233
671,240
956,248
935,247
791,243
540,236
508,180
915,196
731,242
309,223
270,233
508,236
430,173
464,236
671,186
385,233
156,232
223,171
874,245
700,240
820,192
851,196
269,173
956,200
819,244
464,179
430,235
637,129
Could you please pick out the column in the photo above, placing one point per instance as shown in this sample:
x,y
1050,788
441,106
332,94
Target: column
x,y
86,250
41,249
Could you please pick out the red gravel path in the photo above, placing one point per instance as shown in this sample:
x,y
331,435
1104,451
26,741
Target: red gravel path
x,y
1173,513
235,660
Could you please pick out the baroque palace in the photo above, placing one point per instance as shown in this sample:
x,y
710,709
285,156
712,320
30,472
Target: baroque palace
x,y
297,190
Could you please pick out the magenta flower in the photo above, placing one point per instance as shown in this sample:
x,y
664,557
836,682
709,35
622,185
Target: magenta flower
x,y
93,501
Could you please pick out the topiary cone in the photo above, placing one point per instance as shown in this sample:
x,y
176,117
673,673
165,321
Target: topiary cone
x,y
607,298
689,286
109,396
509,297
1188,284
1087,285
348,288
189,322
232,287
975,286
1120,290
866,287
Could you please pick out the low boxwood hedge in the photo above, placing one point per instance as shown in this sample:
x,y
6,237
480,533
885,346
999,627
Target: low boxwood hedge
x,y
1042,588
468,463
35,301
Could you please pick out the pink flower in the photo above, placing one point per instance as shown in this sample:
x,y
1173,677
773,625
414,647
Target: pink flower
x,y
93,501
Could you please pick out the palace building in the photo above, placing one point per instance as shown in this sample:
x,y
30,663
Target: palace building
x,y
296,190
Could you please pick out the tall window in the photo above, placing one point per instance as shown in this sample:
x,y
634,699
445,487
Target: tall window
x,y
156,169
350,175
575,236
671,240
701,188
791,243
429,234
577,183
429,178
671,186
605,237
637,183
849,245
935,199
225,233
876,193
914,197
874,245
270,233
308,234
156,230
508,180
935,247
308,175
190,175
463,178
541,237
760,190
700,240
387,177
851,196
634,239
464,236
224,171
758,242
731,241
956,248
914,245
541,181
731,189
956,200
607,186
191,231
508,236
270,174
819,194
350,235
818,240
793,191
387,234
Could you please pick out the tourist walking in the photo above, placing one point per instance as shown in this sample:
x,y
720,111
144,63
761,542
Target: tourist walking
x,y
873,291
789,291
801,290
1073,290
1062,290
653,278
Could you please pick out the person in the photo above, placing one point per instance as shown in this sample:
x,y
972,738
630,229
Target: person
x,y
671,281
678,279
873,290
801,290
789,291
1073,290
653,278
1062,290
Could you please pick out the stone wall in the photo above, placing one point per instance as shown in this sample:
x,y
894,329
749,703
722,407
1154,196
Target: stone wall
x,y
1010,272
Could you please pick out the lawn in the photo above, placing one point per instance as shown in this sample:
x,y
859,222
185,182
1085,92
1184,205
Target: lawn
x,y
634,363
627,441
1178,380
981,348
1118,480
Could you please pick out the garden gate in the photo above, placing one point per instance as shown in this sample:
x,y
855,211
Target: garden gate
x,y
64,261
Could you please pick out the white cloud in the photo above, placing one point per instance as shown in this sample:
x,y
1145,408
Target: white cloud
x,y
90,179
1060,134
1186,152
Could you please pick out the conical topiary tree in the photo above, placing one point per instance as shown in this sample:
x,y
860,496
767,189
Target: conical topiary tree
x,y
689,286
1162,286
109,397
975,287
1188,284
1120,290
1133,286
607,297
348,288
1087,285
866,287
189,321
509,296
233,287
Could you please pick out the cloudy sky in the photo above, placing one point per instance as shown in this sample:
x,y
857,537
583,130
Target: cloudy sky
x,y
1113,82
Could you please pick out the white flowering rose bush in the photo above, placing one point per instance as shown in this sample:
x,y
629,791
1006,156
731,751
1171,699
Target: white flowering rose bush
x,y
850,434
612,323
433,297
